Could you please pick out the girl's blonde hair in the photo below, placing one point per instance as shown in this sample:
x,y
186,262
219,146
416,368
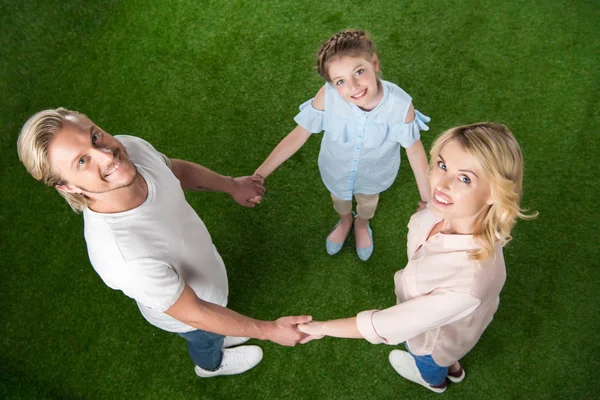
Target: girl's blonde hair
x,y
351,42
34,140
501,160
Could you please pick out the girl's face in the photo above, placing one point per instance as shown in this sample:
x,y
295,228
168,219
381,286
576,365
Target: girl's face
x,y
460,190
355,79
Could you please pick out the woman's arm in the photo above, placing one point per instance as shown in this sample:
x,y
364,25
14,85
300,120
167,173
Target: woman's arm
x,y
342,328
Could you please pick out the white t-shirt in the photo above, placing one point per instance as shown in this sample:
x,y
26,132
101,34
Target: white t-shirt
x,y
150,252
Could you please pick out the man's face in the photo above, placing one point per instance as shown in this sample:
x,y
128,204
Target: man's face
x,y
90,160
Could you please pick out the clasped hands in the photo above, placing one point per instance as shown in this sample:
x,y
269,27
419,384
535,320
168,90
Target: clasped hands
x,y
248,190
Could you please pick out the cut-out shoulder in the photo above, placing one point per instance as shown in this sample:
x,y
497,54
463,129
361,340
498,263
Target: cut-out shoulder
x,y
319,100
410,116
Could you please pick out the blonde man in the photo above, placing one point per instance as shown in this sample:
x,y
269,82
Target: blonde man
x,y
144,239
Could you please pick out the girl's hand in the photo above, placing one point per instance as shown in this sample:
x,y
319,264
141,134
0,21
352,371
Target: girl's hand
x,y
314,329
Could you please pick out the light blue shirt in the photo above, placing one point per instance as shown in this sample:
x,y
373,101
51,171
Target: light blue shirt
x,y
360,150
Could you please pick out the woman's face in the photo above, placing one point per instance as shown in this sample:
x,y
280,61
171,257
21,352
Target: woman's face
x,y
460,189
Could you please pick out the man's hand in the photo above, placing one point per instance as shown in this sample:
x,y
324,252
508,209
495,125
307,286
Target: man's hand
x,y
284,331
248,190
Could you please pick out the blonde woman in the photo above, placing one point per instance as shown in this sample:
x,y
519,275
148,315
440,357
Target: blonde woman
x,y
449,291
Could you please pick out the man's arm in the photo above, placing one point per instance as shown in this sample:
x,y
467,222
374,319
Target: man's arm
x,y
200,314
196,177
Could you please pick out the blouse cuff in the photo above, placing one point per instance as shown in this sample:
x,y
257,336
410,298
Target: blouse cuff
x,y
364,323
309,117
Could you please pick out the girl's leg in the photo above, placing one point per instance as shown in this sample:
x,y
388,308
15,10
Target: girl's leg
x,y
344,210
366,204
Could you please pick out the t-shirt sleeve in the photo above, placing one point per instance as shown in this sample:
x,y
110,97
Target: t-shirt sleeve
x,y
149,282
408,133
139,148
408,319
156,285
310,118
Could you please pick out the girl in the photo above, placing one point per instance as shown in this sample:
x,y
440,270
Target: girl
x,y
365,120
449,290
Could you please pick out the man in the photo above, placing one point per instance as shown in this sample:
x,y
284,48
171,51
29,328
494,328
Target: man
x,y
144,239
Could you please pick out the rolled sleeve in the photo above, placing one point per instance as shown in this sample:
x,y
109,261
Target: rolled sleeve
x,y
310,118
406,320
364,323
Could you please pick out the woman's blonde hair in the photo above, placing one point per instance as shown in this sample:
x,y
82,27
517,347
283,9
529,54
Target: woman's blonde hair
x,y
34,140
501,160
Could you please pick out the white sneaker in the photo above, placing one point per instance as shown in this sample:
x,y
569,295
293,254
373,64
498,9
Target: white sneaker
x,y
231,341
405,365
235,361
457,376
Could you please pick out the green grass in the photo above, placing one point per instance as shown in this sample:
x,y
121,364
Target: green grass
x,y
219,83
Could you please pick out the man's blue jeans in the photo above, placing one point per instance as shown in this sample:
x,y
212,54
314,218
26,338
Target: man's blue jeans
x,y
205,348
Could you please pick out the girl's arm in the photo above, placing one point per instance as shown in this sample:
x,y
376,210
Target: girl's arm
x,y
341,328
291,143
284,150
418,161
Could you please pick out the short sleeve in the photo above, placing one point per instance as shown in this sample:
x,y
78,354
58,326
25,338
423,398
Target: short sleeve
x,y
155,285
408,134
310,118
166,159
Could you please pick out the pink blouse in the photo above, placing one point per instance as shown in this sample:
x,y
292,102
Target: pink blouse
x,y
445,300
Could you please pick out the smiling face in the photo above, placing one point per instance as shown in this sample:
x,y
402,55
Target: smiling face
x,y
355,79
89,160
460,190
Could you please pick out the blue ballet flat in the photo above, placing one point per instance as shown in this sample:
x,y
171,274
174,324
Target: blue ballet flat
x,y
333,248
365,253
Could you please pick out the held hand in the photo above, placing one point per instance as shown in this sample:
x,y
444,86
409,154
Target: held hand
x,y
313,329
285,331
248,190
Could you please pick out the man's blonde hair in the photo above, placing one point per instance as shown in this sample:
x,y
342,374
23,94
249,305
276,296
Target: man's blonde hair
x,y
34,140
501,160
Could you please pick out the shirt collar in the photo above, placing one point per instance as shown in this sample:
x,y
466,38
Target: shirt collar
x,y
449,241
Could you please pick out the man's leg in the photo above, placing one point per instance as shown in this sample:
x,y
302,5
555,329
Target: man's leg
x,y
205,348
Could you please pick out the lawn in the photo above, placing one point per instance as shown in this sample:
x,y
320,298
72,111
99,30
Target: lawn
x,y
218,83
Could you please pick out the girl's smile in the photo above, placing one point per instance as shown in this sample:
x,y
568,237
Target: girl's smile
x,y
355,79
